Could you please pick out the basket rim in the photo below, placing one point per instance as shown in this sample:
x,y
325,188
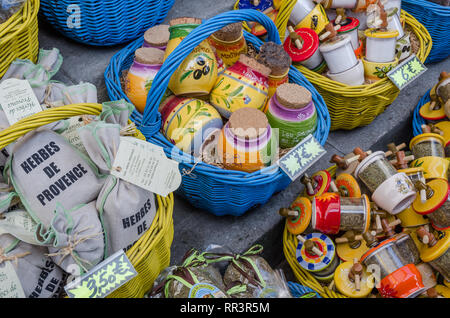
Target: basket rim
x,y
437,8
17,23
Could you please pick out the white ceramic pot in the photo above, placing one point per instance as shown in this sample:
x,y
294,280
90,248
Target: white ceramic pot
x,y
395,194
403,48
395,24
350,28
301,10
352,77
339,54
380,46
394,4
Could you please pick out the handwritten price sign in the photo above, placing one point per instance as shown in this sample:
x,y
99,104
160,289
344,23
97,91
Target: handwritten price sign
x,y
406,72
103,279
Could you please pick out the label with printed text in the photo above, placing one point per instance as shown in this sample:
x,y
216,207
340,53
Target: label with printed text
x,y
10,286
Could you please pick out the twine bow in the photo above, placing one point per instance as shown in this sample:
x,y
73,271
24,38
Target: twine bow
x,y
69,249
12,258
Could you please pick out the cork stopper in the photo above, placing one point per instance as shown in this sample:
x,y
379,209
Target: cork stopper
x,y
185,20
248,123
253,64
149,56
293,96
230,32
275,57
157,35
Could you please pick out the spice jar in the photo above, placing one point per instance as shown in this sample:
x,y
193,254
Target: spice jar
x,y
292,111
350,28
374,170
352,280
437,252
298,217
437,205
198,72
332,213
350,246
306,14
411,219
309,54
247,142
444,126
147,62
157,37
339,54
407,248
188,122
244,84
316,185
399,279
316,254
380,45
278,60
428,144
229,43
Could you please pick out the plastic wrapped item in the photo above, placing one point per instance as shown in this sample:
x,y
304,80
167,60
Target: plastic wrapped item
x,y
9,8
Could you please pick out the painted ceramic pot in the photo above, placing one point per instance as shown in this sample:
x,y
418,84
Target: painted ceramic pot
x,y
332,213
350,28
434,167
438,256
274,82
348,4
380,46
437,206
308,15
427,145
258,29
375,71
237,87
293,124
247,155
398,278
139,80
309,55
198,72
348,288
339,54
188,122
229,51
353,76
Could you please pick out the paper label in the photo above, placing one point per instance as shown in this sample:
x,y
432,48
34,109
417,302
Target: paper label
x,y
301,157
18,100
406,72
19,224
10,286
72,135
103,279
145,165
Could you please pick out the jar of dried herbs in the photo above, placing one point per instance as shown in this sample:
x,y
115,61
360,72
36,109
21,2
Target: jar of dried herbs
x,y
427,145
407,248
438,255
355,214
414,174
374,170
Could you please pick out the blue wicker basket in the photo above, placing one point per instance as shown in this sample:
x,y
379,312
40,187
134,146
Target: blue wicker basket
x,y
104,22
300,291
436,19
220,191
418,120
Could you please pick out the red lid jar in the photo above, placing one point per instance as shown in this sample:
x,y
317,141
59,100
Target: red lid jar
x,y
309,55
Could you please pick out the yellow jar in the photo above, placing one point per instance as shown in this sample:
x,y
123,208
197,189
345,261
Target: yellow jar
x,y
198,72
374,71
316,20
434,167
410,218
229,51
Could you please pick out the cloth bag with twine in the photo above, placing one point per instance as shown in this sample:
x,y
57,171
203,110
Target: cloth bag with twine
x,y
58,94
78,240
45,169
126,210
38,275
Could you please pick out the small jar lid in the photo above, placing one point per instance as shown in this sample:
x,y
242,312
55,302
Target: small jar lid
x,y
445,127
374,33
428,114
298,225
293,96
185,20
350,25
323,181
315,263
347,287
425,136
157,35
335,43
349,184
428,254
310,45
440,188
248,123
149,56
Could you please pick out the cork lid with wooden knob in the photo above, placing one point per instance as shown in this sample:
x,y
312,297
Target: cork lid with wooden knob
x,y
248,123
149,56
185,20
275,57
157,35
229,33
254,65
293,96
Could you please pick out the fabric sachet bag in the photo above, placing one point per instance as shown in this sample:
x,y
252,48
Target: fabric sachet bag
x,y
126,210
26,271
45,169
58,94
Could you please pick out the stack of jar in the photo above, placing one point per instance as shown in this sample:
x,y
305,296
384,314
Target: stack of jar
x,y
222,105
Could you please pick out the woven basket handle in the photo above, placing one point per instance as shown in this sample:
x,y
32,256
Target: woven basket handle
x,y
200,33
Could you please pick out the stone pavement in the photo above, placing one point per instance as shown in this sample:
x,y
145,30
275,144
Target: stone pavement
x,y
195,228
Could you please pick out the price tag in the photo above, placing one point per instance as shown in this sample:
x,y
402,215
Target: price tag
x,y
18,100
301,157
406,72
145,165
103,279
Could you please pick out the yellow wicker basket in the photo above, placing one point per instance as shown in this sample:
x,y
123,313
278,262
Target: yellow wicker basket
x,y
151,253
290,243
354,106
19,36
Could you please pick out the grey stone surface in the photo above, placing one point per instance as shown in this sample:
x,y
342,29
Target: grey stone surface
x,y
195,228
